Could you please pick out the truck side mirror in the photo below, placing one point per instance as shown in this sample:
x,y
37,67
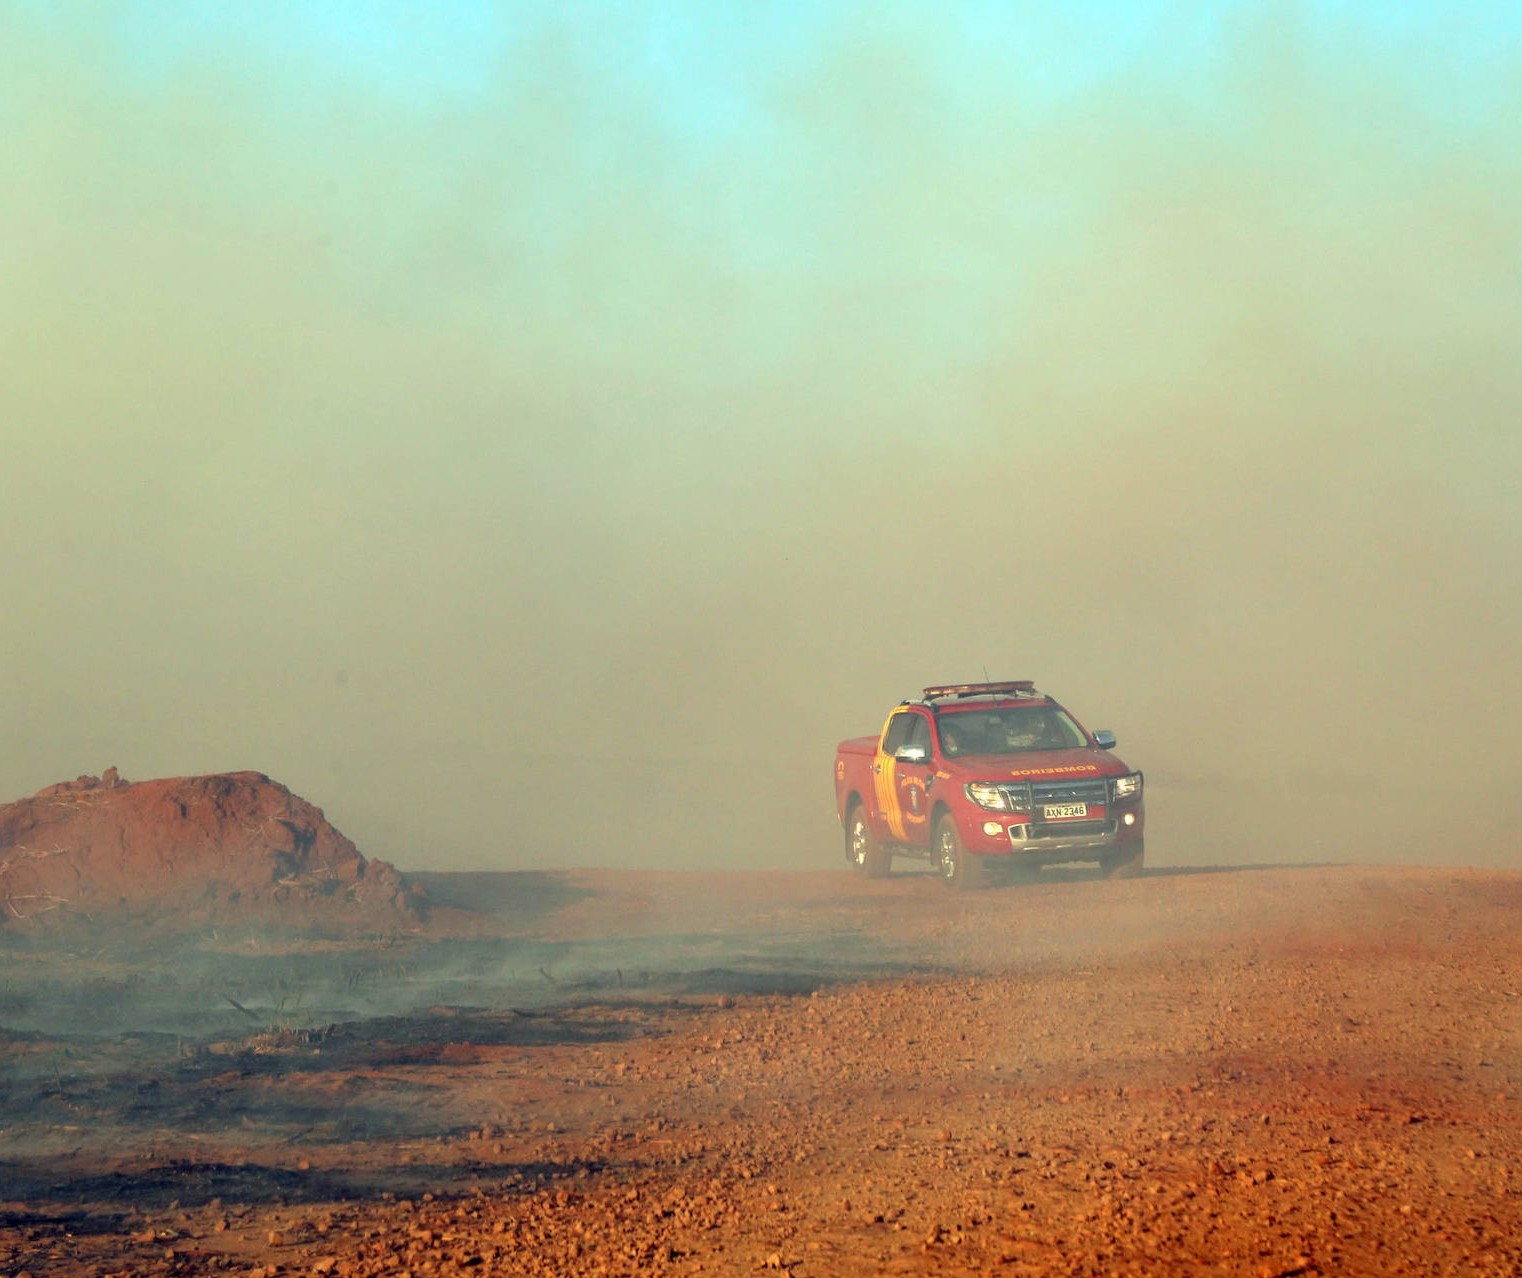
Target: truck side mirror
x,y
911,754
1104,739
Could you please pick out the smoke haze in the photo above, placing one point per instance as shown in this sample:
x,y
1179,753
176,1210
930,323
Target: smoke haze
x,y
576,425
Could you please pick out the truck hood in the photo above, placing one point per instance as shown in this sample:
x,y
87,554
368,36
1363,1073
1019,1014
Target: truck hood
x,y
1037,765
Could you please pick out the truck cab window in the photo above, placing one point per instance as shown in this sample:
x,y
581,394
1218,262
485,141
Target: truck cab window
x,y
899,728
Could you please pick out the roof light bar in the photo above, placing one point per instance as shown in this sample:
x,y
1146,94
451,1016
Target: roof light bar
x,y
1013,686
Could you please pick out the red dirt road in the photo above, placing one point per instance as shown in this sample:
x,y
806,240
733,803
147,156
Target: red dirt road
x,y
1267,1071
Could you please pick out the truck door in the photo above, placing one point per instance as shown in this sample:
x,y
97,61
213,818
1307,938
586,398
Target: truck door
x,y
900,786
913,780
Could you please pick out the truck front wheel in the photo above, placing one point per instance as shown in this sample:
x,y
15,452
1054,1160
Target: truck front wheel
x,y
959,868
863,850
1125,864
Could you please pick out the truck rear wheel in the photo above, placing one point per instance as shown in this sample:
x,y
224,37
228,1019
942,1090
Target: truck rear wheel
x,y
959,868
863,850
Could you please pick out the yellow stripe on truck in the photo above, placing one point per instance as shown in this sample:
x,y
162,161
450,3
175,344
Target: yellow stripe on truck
x,y
885,784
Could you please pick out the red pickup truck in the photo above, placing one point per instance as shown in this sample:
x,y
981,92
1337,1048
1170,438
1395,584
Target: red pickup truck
x,y
983,777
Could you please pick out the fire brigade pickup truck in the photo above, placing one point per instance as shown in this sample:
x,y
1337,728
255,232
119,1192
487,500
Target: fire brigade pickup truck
x,y
982,777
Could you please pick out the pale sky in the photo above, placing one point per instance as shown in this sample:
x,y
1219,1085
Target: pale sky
x,y
536,434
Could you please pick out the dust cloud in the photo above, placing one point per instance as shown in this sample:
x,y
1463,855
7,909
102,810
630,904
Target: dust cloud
x,y
549,472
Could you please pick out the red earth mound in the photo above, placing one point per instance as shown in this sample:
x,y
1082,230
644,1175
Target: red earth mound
x,y
202,846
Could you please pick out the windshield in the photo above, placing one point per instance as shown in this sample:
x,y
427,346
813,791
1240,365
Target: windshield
x,y
1011,730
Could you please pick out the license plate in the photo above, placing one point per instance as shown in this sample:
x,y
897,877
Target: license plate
x,y
1060,811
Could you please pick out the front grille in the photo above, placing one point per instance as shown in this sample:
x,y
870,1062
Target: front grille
x,y
1093,792
1027,796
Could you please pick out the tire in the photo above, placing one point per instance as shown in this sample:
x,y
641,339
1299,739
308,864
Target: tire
x,y
959,869
867,856
1126,864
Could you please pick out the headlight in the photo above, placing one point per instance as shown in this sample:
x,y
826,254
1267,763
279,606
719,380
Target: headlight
x,y
1128,786
987,795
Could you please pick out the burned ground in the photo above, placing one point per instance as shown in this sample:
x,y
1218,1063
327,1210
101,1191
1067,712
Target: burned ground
x,y
1262,1071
